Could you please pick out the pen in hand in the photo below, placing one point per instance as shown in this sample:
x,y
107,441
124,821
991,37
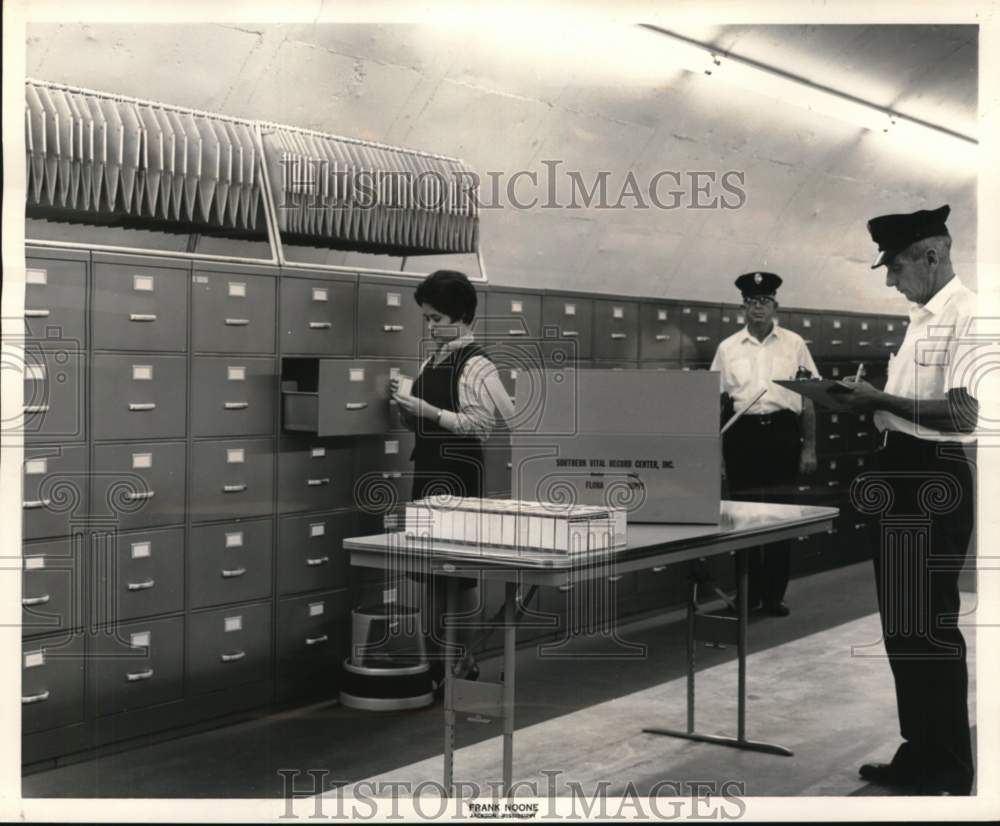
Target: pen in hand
x,y
860,373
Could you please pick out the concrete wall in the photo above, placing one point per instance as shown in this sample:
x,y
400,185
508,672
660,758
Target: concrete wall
x,y
810,181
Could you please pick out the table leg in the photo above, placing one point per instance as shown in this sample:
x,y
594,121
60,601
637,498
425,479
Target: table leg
x,y
451,607
509,658
742,605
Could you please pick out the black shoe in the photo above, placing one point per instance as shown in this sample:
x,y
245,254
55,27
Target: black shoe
x,y
885,774
776,609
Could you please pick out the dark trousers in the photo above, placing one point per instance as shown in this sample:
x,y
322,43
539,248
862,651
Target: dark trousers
x,y
924,532
762,462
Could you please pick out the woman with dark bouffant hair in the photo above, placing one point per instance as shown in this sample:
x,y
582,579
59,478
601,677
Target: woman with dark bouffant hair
x,y
452,409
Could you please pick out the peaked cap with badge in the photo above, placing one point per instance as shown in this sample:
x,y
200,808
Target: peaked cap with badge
x,y
758,283
894,233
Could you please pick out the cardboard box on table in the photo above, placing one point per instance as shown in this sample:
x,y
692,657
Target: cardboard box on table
x,y
645,440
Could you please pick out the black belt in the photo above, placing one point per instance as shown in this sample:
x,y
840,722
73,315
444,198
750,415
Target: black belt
x,y
767,419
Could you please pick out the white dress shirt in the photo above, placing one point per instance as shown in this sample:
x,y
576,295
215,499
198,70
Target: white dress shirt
x,y
933,358
746,366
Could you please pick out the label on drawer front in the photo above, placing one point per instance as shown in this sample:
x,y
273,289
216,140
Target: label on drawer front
x,y
393,300
569,309
237,289
199,279
34,563
236,373
317,609
34,372
33,659
235,455
389,595
394,373
516,307
140,639
836,324
320,294
392,447
864,325
141,461
807,322
233,624
618,312
703,318
317,529
356,374
142,283
234,539
36,467
142,372
36,276
891,327
141,550
318,452
661,315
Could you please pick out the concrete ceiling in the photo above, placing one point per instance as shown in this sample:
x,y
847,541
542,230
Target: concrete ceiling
x,y
509,101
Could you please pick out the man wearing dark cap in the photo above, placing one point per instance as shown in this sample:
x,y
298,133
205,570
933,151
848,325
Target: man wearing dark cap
x,y
928,417
776,438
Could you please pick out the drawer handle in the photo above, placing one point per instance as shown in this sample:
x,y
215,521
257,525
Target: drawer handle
x,y
316,561
517,332
392,475
36,408
133,497
662,337
36,313
237,322
27,602
356,405
808,340
142,317
41,697
702,339
804,488
317,640
565,588
832,484
141,586
617,336
234,488
570,334
833,436
863,343
232,573
393,328
235,657
320,325
614,578
318,483
236,405
33,504
837,341
136,676
659,569
138,407
858,525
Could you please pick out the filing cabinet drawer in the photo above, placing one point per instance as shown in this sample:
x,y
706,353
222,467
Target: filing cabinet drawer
x,y
701,325
139,307
228,647
855,466
865,337
139,397
557,355
317,316
311,555
233,396
231,479
141,485
512,315
55,298
385,474
732,320
312,643
832,474
136,665
659,331
55,490
54,384
838,370
616,330
832,432
232,313
315,474
835,340
52,682
569,319
338,397
137,574
891,331
497,463
863,434
229,563
390,322
52,586
807,325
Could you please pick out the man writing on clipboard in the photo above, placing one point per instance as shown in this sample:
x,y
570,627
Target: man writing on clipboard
x,y
775,440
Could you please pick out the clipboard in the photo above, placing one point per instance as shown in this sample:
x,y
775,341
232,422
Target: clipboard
x,y
827,393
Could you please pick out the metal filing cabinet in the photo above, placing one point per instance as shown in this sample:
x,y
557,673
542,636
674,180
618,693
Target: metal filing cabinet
x,y
616,330
832,432
311,554
139,306
228,647
390,322
233,396
701,324
890,334
865,337
55,490
659,332
511,315
312,643
139,396
136,665
52,671
230,562
55,298
52,586
807,325
232,479
835,338
232,312
141,484
136,574
569,319
54,387
315,474
317,316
